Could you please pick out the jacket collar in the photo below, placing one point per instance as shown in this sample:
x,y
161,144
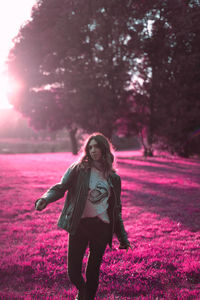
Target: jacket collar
x,y
110,181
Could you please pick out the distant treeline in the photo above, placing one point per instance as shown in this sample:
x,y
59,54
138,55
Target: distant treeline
x,y
16,136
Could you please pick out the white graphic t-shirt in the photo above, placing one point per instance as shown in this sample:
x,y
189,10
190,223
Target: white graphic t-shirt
x,y
97,200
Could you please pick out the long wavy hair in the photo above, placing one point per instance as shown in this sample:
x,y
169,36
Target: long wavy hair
x,y
106,148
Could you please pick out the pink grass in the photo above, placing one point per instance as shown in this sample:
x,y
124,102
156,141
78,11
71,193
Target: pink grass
x,y
161,212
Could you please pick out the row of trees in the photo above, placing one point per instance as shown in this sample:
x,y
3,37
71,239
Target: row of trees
x,y
127,66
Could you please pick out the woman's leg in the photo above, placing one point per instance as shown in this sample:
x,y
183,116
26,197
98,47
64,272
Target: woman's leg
x,y
76,249
97,248
93,268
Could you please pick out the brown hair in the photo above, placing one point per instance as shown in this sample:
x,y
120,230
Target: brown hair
x,y
106,149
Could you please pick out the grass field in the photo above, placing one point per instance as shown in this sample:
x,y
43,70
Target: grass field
x,y
161,212
18,145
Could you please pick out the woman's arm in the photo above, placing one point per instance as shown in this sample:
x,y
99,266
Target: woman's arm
x,y
121,233
58,190
119,224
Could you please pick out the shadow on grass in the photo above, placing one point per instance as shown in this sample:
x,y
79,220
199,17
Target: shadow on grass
x,y
166,167
169,192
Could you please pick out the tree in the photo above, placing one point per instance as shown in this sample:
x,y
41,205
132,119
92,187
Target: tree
x,y
73,61
182,88
166,105
98,65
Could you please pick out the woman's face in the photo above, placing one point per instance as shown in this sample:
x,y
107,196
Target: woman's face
x,y
94,150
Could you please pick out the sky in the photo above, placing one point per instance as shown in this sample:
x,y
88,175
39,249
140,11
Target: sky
x,y
13,13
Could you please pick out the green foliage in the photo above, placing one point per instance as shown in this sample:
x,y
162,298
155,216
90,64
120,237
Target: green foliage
x,y
167,106
74,60
107,65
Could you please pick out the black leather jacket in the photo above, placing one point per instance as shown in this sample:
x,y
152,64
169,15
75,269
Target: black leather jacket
x,y
76,181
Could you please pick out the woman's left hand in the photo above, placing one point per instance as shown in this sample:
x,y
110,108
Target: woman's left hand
x,y
125,246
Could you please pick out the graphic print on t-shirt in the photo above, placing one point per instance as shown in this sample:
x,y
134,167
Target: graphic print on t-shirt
x,y
99,193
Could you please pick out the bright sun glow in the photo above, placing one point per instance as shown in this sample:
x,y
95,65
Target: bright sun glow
x,y
4,90
12,15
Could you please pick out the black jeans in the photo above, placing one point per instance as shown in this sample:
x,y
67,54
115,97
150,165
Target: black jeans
x,y
95,233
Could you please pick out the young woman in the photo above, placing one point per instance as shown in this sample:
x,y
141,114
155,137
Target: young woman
x,y
91,213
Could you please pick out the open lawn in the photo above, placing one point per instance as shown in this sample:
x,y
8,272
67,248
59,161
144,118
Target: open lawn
x,y
161,212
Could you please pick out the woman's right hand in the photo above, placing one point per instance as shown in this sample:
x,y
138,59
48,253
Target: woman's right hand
x,y
40,204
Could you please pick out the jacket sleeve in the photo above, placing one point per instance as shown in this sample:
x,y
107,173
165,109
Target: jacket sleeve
x,y
119,225
58,190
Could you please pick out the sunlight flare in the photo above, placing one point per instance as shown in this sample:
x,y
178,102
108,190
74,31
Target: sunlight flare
x,y
12,15
8,88
4,88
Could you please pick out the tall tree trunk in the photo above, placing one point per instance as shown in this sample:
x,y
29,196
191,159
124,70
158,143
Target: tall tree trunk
x,y
150,128
107,131
150,133
74,144
145,150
